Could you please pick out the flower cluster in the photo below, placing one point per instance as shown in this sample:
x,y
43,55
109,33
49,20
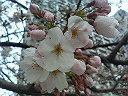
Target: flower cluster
x,y
103,24
57,54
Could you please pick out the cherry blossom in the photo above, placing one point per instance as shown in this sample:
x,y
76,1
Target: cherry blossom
x,y
91,69
89,81
33,71
95,61
37,35
32,27
79,67
90,44
78,31
101,3
106,26
57,51
56,79
34,9
49,16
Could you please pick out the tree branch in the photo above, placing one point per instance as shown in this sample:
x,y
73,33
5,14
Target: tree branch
x,y
105,45
18,88
14,1
106,90
78,4
31,90
117,48
22,45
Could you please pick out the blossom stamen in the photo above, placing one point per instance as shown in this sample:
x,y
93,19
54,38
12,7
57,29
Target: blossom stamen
x,y
58,50
55,72
75,32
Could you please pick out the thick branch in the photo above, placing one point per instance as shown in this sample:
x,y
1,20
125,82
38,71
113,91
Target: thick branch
x,y
14,1
106,90
30,89
105,45
22,45
117,48
18,88
119,62
25,89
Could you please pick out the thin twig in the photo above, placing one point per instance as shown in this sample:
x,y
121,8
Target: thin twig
x,y
14,1
78,4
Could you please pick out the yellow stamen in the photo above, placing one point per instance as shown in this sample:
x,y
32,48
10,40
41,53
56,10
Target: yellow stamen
x,y
58,50
75,32
55,72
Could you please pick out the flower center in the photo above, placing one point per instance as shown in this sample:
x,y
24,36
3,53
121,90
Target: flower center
x,y
58,50
36,66
55,72
75,32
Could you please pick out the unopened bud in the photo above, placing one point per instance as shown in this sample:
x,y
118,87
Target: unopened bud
x,y
35,9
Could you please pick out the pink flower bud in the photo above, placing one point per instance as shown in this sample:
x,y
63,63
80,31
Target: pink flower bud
x,y
101,3
95,61
34,9
32,27
49,17
78,51
89,81
90,44
79,67
91,69
37,35
106,26
106,9
43,12
101,14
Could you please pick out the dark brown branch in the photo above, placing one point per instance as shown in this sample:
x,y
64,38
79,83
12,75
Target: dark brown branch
x,y
18,88
22,45
5,75
105,45
119,62
117,48
26,46
104,59
78,4
14,1
25,89
31,90
106,90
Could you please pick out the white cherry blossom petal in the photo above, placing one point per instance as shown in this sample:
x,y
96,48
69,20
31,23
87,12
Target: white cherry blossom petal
x,y
55,80
106,26
73,20
56,50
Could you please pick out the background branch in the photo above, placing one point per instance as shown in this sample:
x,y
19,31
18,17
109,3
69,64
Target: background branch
x,y
78,4
22,45
14,1
31,90
117,48
106,45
